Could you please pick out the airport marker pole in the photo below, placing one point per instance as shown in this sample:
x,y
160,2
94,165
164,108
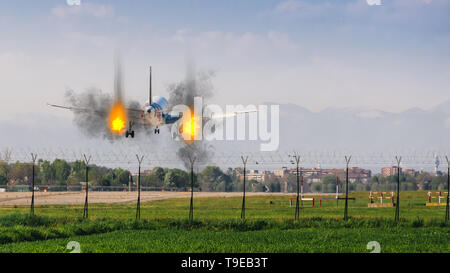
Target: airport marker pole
x,y
397,205
138,206
85,210
191,205
447,209
244,161
33,157
347,160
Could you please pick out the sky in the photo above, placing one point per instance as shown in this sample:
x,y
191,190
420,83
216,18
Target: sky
x,y
332,57
313,53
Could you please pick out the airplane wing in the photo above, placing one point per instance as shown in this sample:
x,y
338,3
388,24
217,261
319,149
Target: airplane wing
x,y
86,109
134,115
70,108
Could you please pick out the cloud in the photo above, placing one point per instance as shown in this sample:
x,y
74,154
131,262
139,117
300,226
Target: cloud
x,y
85,39
288,6
180,35
9,58
89,9
232,44
306,9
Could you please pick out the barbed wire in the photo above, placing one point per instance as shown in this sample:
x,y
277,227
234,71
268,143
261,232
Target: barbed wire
x,y
125,156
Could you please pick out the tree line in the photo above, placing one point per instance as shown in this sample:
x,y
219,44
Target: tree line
x,y
63,173
60,173
211,178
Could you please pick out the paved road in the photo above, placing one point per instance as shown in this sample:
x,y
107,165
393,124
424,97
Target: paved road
x,y
48,198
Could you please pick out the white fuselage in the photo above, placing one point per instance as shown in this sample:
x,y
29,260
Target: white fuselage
x,y
153,118
153,115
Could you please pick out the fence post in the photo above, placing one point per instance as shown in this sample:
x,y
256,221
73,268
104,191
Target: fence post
x,y
33,157
447,216
244,162
86,203
138,206
347,160
191,204
397,205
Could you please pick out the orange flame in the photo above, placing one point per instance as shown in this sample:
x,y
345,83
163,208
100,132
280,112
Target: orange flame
x,y
189,126
117,118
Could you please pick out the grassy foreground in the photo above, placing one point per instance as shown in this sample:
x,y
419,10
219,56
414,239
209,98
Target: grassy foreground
x,y
272,240
217,228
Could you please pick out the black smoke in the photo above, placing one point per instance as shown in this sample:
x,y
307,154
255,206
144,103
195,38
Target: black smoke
x,y
195,85
92,110
183,93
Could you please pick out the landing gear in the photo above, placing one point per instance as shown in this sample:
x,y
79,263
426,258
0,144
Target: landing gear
x,y
156,131
130,132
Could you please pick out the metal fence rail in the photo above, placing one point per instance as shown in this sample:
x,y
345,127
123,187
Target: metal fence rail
x,y
125,157
61,188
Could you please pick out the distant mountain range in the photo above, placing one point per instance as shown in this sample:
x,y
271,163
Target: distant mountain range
x,y
365,129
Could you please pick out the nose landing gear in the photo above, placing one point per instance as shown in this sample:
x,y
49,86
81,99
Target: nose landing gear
x,y
129,132
156,131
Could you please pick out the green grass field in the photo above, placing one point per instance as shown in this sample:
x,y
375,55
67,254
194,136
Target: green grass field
x,y
269,227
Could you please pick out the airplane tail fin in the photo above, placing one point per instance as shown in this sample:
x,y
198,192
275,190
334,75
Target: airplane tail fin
x,y
150,88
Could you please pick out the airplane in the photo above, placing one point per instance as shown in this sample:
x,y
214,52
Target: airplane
x,y
154,113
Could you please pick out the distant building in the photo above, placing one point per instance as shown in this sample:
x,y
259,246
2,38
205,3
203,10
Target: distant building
x,y
355,174
254,175
312,178
411,172
388,171
314,175
281,172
